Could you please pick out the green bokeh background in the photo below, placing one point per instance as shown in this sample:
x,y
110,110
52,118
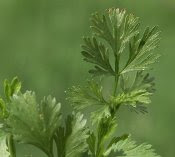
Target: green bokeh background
x,y
40,43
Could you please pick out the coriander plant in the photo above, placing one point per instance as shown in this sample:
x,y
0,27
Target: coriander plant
x,y
118,50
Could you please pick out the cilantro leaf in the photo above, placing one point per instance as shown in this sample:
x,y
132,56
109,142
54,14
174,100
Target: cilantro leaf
x,y
97,54
127,147
97,140
140,51
83,97
90,96
3,109
102,139
12,87
115,27
31,122
3,147
137,95
103,143
133,98
119,30
71,139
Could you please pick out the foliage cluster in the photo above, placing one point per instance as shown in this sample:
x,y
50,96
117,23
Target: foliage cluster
x,y
117,49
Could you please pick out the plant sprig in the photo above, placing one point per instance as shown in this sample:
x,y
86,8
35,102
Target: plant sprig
x,y
113,33
25,120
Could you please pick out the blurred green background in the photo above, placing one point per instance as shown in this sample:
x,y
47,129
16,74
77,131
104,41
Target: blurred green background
x,y
40,42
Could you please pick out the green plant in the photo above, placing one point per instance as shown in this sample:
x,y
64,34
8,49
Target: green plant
x,y
25,120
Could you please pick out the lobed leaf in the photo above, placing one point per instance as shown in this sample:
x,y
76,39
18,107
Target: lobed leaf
x,y
83,97
137,95
3,147
90,96
140,51
132,98
71,139
95,52
97,140
31,122
127,148
12,87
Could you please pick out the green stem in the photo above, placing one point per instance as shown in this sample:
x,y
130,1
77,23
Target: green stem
x,y
51,151
116,73
116,84
11,146
57,146
51,155
114,109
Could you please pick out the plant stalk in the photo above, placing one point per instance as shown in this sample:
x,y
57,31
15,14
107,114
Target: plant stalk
x,y
11,146
116,73
51,155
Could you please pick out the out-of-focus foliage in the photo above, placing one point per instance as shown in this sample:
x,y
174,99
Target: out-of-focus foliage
x,y
39,124
3,147
31,122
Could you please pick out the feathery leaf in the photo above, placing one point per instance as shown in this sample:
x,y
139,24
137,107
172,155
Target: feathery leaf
x,y
90,96
127,148
137,95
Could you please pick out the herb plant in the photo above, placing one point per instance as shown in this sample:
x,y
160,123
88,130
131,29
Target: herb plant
x,y
118,50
